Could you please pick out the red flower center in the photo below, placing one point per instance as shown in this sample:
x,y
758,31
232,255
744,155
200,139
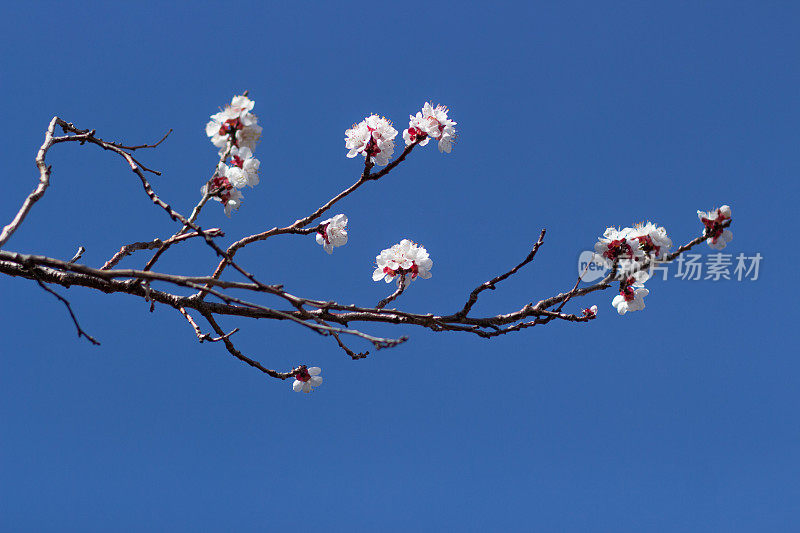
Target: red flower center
x,y
628,293
714,227
372,146
414,270
617,248
222,183
414,132
324,232
230,126
626,289
646,244
302,374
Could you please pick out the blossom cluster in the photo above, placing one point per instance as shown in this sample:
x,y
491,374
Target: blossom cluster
x,y
718,237
235,131
627,248
236,124
633,244
431,123
406,260
374,136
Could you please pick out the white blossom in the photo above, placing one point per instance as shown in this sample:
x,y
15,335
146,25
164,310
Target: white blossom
x,y
630,299
718,237
233,201
652,239
332,233
431,123
230,197
416,130
590,312
244,167
638,278
373,137
233,175
618,244
242,105
721,241
307,378
235,119
405,257
249,135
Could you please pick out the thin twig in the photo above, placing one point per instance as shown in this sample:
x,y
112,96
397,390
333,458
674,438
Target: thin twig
x,y
128,249
473,296
401,286
353,355
38,192
140,146
577,282
78,254
240,356
200,335
81,332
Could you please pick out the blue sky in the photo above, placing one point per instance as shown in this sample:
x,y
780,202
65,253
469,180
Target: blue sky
x,y
573,117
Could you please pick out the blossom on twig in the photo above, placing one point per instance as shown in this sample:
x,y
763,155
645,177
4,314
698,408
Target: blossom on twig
x,y
235,123
226,193
652,239
405,257
718,237
307,378
431,123
373,137
618,244
244,167
332,232
629,298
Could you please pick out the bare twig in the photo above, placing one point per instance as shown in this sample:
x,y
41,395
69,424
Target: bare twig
x,y
81,332
240,356
38,192
353,355
200,335
473,296
401,286
140,146
128,249
162,246
577,282
78,254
